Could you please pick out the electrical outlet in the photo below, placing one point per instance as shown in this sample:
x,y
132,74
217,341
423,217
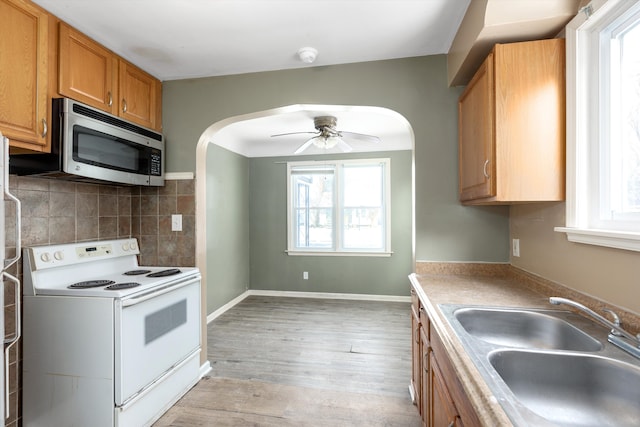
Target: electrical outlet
x,y
515,247
176,222
305,275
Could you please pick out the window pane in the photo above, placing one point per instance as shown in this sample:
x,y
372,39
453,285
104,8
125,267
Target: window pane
x,y
363,185
362,221
620,176
363,228
630,117
313,209
339,206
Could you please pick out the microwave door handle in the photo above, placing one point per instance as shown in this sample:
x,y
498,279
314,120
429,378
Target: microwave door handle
x,y
16,336
7,195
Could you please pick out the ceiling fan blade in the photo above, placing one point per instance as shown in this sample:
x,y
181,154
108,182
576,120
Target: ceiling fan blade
x,y
361,136
294,133
346,148
305,145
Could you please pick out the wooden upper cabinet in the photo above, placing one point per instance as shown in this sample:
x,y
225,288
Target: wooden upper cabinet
x,y
24,102
512,126
475,127
140,96
92,74
87,71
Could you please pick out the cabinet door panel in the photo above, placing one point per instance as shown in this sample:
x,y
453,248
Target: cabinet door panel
x,y
425,354
476,138
87,70
23,74
415,357
140,96
443,411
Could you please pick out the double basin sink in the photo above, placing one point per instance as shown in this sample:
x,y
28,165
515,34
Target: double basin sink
x,y
549,367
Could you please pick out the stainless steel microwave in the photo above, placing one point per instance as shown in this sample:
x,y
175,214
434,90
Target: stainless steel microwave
x,y
90,145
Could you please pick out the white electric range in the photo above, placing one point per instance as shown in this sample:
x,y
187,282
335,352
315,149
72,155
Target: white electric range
x,y
106,342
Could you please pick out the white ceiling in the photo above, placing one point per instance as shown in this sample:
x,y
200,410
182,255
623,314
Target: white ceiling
x,y
177,39
249,135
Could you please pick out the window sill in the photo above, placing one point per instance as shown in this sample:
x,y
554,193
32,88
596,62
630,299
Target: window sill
x,y
320,253
611,239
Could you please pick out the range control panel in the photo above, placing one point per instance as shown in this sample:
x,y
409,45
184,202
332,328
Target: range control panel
x,y
43,257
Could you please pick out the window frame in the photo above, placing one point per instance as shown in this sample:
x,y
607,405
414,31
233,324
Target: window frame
x,y
337,249
584,133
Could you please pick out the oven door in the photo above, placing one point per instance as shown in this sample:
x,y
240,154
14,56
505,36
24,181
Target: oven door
x,y
154,332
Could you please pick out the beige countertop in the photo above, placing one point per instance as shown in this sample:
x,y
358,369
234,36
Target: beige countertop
x,y
434,289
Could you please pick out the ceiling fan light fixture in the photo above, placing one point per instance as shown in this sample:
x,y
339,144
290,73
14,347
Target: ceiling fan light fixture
x,y
328,142
307,54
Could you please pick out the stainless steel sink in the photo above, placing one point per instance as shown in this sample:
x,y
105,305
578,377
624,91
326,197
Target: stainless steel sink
x,y
571,389
524,329
549,367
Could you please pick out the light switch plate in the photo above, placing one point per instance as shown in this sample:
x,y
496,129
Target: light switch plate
x,y
176,222
516,247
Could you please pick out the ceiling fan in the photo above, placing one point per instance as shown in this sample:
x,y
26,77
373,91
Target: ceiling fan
x,y
327,136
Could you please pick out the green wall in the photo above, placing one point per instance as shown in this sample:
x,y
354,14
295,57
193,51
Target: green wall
x,y
227,226
414,87
272,268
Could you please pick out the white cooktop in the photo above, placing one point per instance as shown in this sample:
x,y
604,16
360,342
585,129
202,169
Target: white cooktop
x,y
50,270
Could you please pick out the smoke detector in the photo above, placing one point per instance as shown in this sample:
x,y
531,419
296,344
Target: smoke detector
x,y
307,54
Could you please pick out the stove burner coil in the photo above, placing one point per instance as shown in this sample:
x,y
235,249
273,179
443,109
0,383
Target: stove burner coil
x,y
136,272
125,285
91,284
163,273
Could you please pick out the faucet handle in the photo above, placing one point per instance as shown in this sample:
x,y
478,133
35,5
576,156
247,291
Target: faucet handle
x,y
616,320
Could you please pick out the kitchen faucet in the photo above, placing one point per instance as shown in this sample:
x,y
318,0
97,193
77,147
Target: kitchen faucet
x,y
617,336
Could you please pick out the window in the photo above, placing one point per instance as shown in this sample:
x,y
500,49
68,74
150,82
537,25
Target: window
x,y
603,125
339,207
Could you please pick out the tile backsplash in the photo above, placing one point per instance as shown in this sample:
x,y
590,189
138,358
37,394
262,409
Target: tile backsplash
x,y
56,211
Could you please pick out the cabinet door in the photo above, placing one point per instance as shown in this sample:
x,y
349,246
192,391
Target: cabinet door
x,y
476,127
416,367
23,74
443,411
139,96
425,351
87,71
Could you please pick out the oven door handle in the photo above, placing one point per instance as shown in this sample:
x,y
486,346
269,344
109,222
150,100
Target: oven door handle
x,y
153,293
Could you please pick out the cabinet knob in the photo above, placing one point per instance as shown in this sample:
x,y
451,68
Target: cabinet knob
x,y
484,169
124,105
110,102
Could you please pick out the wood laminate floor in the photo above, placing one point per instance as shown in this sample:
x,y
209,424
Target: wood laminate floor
x,y
304,362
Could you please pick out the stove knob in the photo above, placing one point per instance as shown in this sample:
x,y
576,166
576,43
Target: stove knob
x,y
133,246
45,257
125,247
59,255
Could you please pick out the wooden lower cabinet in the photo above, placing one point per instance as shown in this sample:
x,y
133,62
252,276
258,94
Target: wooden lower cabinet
x,y
442,409
437,390
453,407
415,358
425,371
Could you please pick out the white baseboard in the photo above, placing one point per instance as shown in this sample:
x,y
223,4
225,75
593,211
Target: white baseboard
x,y
328,295
296,294
205,368
211,317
